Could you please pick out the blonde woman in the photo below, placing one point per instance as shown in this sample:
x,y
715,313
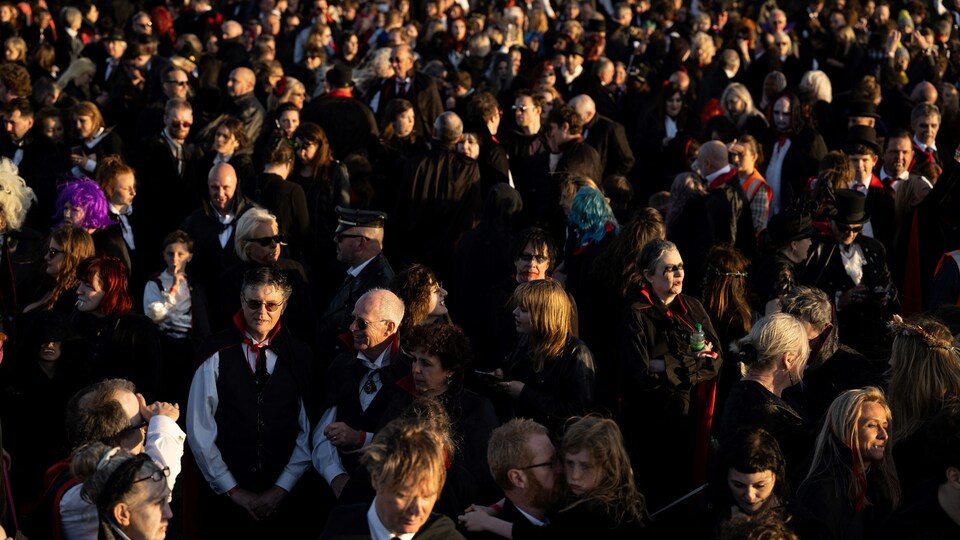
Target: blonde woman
x,y
550,374
852,484
76,81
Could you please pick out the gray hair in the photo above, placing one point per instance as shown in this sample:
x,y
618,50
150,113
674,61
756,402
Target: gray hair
x,y
816,86
448,128
249,221
770,339
266,276
808,304
923,110
388,304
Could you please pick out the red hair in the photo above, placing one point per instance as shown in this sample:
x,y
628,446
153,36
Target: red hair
x,y
113,279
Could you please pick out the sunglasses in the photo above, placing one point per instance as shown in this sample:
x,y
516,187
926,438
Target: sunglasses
x,y
142,427
848,229
256,305
157,476
362,324
178,83
268,241
181,124
522,108
341,236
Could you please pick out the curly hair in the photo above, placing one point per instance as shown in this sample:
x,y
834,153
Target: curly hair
x,y
590,214
445,341
616,488
16,79
84,193
16,197
414,285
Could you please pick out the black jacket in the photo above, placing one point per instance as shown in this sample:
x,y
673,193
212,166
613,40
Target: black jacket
x,y
801,163
349,522
349,122
609,139
336,317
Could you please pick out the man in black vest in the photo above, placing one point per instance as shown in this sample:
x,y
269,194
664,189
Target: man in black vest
x,y
359,241
247,417
358,386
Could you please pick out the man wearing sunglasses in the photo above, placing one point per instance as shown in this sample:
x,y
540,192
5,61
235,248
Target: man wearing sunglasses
x,y
359,385
247,417
852,269
359,241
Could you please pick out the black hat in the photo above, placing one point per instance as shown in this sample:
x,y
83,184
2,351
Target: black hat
x,y
850,207
864,135
863,108
574,48
340,76
788,226
115,35
349,217
595,26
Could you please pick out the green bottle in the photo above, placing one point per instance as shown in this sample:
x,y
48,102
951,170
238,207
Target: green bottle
x,y
696,339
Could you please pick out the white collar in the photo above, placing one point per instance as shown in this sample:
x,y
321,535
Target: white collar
x,y
931,148
377,530
884,174
101,133
121,210
714,175
381,361
355,270
530,518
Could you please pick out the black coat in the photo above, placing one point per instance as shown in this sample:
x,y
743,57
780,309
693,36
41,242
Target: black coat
x,y
288,202
422,93
349,522
158,178
336,317
801,163
774,277
586,520
609,139
348,122
41,166
126,347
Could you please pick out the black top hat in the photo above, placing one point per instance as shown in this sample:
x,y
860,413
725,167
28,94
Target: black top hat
x,y
788,226
595,26
340,76
851,207
349,217
864,135
863,108
115,34
574,48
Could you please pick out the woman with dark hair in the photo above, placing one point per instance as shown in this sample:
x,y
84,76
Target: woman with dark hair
x,y
120,343
752,474
82,203
324,179
398,144
663,136
600,498
660,374
231,145
549,376
348,49
284,199
65,248
423,297
852,484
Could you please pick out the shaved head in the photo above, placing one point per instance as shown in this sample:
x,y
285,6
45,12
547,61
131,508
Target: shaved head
x,y
585,107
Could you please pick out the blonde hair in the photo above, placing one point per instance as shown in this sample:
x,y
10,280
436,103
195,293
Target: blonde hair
x,y
616,488
76,68
839,438
407,449
508,449
770,339
16,197
250,220
550,317
925,371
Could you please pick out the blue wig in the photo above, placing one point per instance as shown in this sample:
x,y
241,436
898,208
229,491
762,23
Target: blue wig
x,y
590,215
85,193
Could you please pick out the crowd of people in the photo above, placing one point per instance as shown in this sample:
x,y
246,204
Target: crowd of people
x,y
443,269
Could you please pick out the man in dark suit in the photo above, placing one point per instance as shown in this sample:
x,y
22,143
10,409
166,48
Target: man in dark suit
x,y
347,121
407,465
411,85
36,157
360,245
109,65
606,136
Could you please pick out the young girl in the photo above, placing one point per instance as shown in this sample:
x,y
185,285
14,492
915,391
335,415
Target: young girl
x,y
601,498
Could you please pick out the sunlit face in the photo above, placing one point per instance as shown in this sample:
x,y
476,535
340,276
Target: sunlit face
x,y
437,306
926,129
523,322
674,105
428,374
11,54
403,125
873,432
458,30
377,330
176,255
50,352
573,62
667,278
782,114
222,190
289,122
532,264
224,141
897,156
298,97
84,126
743,158
89,295
53,258
751,490
116,48
263,255
73,215
799,249
845,234
179,122
863,166
581,471
150,512
52,128
734,105
404,510
16,125
261,321
402,62
470,147
125,190
526,112
176,84
350,46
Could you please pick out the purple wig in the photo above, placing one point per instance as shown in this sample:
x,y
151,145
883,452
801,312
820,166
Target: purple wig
x,y
85,193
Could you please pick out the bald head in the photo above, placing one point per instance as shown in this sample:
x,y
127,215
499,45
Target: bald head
x,y
924,92
222,185
241,82
585,107
231,29
712,157
448,128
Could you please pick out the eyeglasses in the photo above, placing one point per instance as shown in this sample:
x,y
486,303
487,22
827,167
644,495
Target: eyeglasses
x,y
673,269
522,108
268,241
178,83
158,476
256,305
362,324
394,60
848,230
181,124
53,252
527,258
142,427
341,236
147,24
551,463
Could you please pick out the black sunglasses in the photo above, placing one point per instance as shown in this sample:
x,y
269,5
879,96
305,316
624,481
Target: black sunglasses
x,y
341,236
268,241
848,229
157,476
255,305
